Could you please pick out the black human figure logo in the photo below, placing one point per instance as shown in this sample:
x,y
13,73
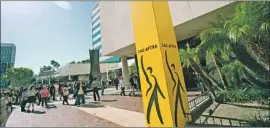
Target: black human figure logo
x,y
179,87
154,95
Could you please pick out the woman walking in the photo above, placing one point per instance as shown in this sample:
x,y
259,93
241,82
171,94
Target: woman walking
x,y
65,95
31,93
122,86
44,94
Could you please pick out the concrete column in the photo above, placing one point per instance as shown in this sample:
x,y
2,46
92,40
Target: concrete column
x,y
107,73
125,71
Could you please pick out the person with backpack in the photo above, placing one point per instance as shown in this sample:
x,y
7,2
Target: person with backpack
x,y
65,94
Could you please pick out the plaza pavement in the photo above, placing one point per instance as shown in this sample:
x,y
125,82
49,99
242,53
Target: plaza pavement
x,y
112,111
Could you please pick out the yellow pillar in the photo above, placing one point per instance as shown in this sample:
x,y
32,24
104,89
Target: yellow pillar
x,y
163,87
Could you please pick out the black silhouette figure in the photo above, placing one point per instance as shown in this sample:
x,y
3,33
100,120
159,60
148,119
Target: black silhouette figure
x,y
154,96
178,86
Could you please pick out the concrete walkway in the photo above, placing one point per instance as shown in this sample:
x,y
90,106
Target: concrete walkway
x,y
114,115
119,116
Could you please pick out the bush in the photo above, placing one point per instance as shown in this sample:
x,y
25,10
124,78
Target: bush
x,y
260,121
241,94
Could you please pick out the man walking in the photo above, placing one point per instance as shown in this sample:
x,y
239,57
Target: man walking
x,y
103,84
95,85
116,82
132,82
81,91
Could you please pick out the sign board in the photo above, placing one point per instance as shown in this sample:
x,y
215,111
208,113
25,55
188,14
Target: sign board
x,y
163,88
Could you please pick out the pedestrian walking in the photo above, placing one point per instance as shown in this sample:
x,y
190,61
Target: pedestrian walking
x,y
103,85
81,90
96,85
52,92
9,101
20,95
116,82
31,97
24,99
65,94
44,94
60,90
39,88
122,86
131,80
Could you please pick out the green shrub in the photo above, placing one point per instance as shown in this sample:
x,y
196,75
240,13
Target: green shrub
x,y
240,94
260,121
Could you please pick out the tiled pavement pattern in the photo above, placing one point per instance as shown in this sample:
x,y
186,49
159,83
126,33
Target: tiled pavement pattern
x,y
62,116
132,103
87,116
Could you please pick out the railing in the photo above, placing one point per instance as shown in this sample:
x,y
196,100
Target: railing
x,y
198,100
208,120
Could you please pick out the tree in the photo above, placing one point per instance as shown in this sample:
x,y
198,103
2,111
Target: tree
x,y
133,68
55,64
19,76
189,58
72,62
237,36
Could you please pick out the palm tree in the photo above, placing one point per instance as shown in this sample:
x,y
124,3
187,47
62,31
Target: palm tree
x,y
212,46
232,37
249,30
55,64
190,58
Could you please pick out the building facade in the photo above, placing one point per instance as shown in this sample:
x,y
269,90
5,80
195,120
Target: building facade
x,y
8,54
96,36
189,19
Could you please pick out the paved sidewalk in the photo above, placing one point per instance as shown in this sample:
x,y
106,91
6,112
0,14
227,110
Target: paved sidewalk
x,y
112,111
119,116
62,116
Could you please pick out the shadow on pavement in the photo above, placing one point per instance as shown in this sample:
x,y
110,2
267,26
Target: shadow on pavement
x,y
116,94
216,121
37,112
50,106
93,105
108,100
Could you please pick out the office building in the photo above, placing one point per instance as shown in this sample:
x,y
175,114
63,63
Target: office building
x,y
8,53
96,36
189,18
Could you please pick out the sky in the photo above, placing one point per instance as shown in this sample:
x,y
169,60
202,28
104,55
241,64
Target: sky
x,y
44,30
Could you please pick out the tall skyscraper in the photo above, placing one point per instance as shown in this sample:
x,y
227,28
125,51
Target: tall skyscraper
x,y
8,53
96,30
96,36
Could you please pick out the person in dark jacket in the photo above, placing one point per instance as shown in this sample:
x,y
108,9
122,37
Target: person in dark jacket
x,y
38,95
116,82
24,99
133,85
52,92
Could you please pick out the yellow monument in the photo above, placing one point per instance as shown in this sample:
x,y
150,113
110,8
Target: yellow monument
x,y
163,87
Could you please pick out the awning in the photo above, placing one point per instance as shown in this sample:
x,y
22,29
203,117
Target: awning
x,y
114,59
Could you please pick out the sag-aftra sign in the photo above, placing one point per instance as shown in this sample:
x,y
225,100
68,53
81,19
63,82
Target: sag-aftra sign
x,y
163,87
